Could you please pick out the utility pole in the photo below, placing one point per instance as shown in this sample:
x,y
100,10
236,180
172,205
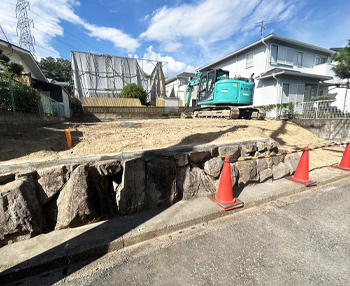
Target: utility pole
x,y
262,27
26,40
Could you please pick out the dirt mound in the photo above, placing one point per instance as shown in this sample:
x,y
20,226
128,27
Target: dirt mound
x,y
48,143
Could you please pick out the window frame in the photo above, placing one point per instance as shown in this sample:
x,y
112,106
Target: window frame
x,y
302,59
250,61
278,61
321,57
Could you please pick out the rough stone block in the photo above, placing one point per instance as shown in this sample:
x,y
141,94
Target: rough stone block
x,y
292,161
213,167
234,174
232,151
196,184
20,212
84,199
277,160
197,157
130,195
265,175
50,181
261,146
280,171
247,172
248,149
181,160
109,167
161,183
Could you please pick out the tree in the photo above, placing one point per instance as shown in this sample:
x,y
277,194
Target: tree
x,y
10,68
342,69
58,69
133,90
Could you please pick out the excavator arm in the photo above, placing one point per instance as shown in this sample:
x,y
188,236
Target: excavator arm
x,y
192,81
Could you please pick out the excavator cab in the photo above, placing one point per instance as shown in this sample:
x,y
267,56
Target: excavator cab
x,y
207,82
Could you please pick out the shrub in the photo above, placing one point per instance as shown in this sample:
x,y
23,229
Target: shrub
x,y
133,90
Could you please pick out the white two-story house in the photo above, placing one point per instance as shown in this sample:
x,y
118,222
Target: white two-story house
x,y
176,87
285,70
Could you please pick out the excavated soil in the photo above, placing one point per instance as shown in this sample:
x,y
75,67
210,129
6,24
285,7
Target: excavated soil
x,y
49,142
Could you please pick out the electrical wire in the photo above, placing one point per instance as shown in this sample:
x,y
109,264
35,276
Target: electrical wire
x,y
9,44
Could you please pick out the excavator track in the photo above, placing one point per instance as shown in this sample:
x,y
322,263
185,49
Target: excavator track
x,y
229,112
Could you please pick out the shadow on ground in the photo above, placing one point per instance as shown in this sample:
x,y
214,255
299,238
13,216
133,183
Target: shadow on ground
x,y
100,236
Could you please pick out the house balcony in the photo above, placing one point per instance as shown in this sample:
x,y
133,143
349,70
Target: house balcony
x,y
324,69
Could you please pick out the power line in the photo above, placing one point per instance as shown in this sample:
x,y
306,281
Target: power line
x,y
70,33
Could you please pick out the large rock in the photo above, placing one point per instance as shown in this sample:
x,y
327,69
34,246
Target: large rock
x,y
196,184
20,212
197,157
130,195
109,167
265,175
280,171
292,162
248,149
232,151
278,159
161,183
247,172
181,160
84,199
234,174
50,181
213,167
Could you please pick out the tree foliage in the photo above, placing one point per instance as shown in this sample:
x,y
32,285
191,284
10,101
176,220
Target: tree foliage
x,y
342,69
26,99
58,69
133,90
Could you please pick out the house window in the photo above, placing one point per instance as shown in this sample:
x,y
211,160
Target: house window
x,y
285,93
300,59
282,55
320,60
249,60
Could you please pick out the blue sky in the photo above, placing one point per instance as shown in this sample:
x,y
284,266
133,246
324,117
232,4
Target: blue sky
x,y
186,34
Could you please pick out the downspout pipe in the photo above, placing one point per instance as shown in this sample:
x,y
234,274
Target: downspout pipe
x,y
267,49
274,76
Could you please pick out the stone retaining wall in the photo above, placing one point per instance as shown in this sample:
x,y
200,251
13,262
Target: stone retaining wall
x,y
71,195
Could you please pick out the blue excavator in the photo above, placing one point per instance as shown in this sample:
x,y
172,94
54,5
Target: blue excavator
x,y
220,96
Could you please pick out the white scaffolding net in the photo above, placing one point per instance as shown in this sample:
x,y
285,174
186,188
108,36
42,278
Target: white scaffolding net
x,y
105,76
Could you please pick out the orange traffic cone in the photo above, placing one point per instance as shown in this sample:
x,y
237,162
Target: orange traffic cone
x,y
345,160
301,175
224,197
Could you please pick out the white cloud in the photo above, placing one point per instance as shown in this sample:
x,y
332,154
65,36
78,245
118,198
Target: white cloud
x,y
116,36
171,69
47,17
210,21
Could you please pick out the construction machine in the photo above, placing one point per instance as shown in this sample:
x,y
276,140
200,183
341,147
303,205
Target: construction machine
x,y
220,96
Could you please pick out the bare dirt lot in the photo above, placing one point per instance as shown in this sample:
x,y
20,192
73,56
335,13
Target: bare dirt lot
x,y
49,143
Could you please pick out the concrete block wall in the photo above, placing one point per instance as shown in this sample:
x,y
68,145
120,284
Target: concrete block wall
x,y
337,130
21,121
74,192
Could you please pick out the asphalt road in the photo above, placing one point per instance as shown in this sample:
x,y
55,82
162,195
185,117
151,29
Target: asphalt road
x,y
303,243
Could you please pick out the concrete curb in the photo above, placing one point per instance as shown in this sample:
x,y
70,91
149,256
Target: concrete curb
x,y
61,248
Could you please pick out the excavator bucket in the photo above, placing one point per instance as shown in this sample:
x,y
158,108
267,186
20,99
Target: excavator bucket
x,y
186,115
